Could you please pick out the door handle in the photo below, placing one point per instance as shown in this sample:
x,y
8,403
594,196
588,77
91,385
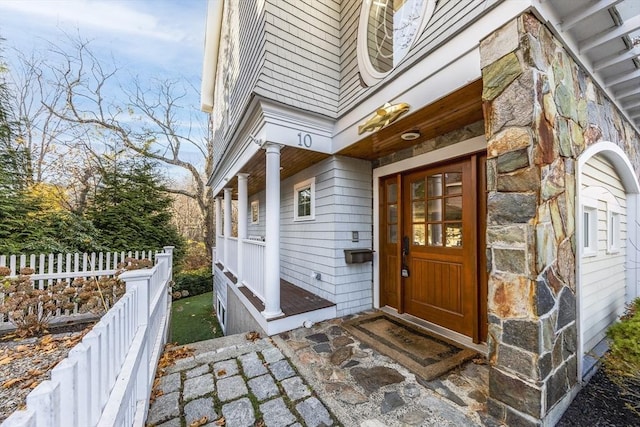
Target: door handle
x,y
404,271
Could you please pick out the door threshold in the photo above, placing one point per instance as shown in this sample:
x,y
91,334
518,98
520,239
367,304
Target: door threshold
x,y
463,340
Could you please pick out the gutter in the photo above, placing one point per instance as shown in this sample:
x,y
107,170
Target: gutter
x,y
211,49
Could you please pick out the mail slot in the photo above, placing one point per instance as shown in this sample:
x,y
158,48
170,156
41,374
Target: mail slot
x,y
357,256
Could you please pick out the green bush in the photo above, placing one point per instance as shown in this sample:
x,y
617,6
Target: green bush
x,y
195,282
622,362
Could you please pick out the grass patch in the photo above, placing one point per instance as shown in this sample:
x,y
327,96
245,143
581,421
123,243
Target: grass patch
x,y
193,319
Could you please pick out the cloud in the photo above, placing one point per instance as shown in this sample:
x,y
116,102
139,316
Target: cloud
x,y
118,18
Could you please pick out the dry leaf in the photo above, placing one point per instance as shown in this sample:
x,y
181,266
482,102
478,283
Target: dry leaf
x,y
6,360
46,339
252,336
220,421
22,348
197,423
11,382
28,384
221,372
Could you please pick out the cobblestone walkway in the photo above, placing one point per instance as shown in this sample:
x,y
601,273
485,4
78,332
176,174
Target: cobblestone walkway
x,y
319,376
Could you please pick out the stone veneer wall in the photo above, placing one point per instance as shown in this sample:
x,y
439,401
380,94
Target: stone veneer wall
x,y
442,141
541,112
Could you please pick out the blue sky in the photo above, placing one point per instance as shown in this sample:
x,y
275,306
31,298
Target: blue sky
x,y
159,39
145,37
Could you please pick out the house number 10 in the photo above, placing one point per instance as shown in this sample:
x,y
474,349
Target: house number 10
x,y
304,140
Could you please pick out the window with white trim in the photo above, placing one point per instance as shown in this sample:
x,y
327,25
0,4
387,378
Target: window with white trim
x,y
255,212
613,231
221,311
589,230
304,200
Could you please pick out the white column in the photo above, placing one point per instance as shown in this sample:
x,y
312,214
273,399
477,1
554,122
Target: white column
x,y
242,221
227,226
218,220
272,249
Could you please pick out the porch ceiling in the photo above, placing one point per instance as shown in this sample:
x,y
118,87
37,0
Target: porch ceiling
x,y
292,161
452,112
607,34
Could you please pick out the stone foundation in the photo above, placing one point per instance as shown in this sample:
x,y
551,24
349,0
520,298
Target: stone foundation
x,y
541,112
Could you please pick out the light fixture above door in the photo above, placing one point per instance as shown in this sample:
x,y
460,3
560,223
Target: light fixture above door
x,y
410,135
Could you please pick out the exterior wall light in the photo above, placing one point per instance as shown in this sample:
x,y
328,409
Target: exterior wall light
x,y
410,135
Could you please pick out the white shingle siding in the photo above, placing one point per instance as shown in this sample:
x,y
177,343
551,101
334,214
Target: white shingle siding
x,y
603,277
448,18
240,60
302,54
343,204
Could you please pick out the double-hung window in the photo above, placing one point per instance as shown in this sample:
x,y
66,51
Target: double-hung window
x,y
304,200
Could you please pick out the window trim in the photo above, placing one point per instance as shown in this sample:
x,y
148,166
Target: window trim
x,y
590,241
370,76
614,235
311,184
255,203
221,314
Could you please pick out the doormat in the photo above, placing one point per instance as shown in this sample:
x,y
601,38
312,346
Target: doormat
x,y
414,348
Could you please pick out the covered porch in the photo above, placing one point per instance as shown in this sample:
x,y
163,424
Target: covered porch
x,y
248,263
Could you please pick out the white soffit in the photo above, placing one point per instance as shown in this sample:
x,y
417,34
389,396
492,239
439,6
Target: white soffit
x,y
606,34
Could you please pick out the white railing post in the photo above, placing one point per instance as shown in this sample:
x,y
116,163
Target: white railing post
x,y
45,400
218,219
66,374
139,281
272,255
227,227
168,250
243,199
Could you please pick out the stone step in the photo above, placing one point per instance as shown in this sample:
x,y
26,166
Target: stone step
x,y
217,349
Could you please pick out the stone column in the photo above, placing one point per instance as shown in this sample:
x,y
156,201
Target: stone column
x,y
242,221
218,220
227,226
530,232
272,238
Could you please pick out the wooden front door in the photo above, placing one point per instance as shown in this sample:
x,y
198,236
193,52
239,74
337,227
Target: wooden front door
x,y
430,252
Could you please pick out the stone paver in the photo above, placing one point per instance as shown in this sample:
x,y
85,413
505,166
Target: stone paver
x,y
173,422
198,386
226,368
314,413
252,365
295,388
239,413
170,383
198,408
272,355
296,382
197,371
231,388
281,370
164,407
275,413
263,387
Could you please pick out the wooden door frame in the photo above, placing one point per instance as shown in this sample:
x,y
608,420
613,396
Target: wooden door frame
x,y
478,194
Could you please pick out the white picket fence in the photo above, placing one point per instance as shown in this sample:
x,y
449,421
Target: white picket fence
x,y
58,267
50,268
106,380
